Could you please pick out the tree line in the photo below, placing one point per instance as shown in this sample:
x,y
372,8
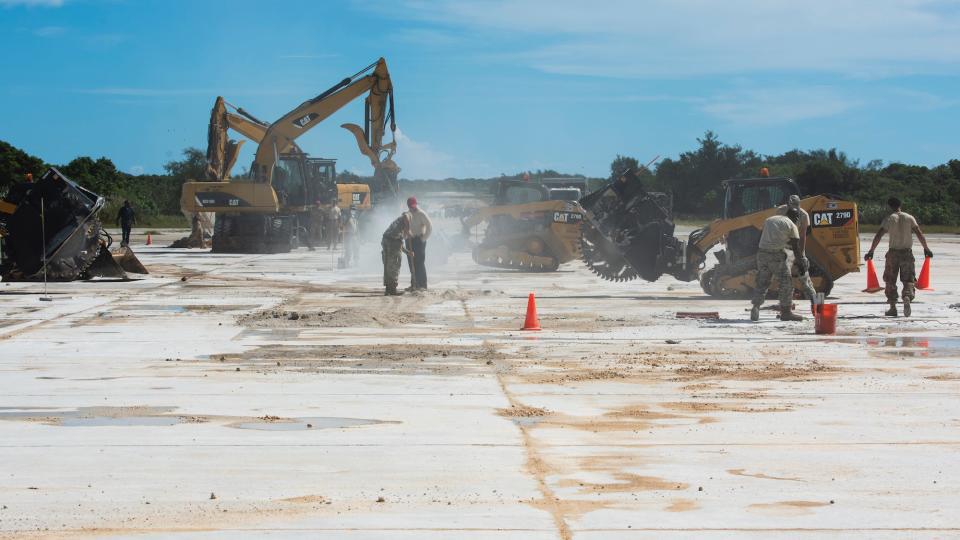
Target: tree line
x,y
932,194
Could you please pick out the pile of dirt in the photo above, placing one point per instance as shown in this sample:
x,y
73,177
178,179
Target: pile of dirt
x,y
523,411
680,365
766,371
334,318
395,358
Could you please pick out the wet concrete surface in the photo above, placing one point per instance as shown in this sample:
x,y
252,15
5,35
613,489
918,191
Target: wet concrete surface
x,y
201,408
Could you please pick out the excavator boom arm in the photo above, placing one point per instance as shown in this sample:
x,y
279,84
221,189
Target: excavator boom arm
x,y
282,133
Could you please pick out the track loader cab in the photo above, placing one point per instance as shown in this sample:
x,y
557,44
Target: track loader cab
x,y
519,192
747,196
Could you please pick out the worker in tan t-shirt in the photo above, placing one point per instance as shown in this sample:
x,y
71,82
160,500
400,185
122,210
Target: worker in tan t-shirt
x,y
901,226
779,233
802,227
420,230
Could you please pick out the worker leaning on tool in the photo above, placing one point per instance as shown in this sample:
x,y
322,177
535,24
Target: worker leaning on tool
x,y
802,227
420,229
779,232
392,244
901,226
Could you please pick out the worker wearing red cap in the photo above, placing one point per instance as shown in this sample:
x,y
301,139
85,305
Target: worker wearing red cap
x,y
420,229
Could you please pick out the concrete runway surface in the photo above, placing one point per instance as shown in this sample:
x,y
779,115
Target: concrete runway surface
x,y
248,396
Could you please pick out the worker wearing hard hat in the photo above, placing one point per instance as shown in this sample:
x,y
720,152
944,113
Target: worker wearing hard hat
x,y
420,229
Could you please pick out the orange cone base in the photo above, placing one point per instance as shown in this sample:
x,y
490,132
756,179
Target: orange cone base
x,y
873,284
923,282
532,322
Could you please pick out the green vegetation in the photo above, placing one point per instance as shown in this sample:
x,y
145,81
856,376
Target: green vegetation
x,y
156,198
930,194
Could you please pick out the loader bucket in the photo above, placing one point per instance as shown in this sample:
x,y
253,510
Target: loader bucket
x,y
115,264
125,258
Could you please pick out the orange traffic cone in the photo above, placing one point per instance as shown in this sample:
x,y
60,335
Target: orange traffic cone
x,y
532,322
873,284
923,282
149,239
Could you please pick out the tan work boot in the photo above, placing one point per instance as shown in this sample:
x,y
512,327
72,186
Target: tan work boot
x,y
892,312
755,313
786,314
906,307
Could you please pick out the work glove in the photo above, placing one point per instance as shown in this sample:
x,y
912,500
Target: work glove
x,y
868,256
927,253
804,264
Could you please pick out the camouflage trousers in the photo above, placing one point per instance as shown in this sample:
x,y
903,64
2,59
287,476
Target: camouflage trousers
x,y
770,264
900,261
807,285
392,261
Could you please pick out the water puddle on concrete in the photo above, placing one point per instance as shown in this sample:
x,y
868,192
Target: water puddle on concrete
x,y
161,416
296,424
92,416
99,421
912,347
147,307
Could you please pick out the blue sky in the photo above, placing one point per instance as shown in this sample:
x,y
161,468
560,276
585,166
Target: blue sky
x,y
484,88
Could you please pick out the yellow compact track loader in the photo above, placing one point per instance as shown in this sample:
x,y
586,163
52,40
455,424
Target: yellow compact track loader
x,y
526,229
629,233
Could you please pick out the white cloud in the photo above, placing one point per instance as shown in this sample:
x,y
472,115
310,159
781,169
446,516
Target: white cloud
x,y
772,106
49,31
135,170
421,160
679,38
31,3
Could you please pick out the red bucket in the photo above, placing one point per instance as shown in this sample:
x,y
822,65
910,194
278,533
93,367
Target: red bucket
x,y
825,318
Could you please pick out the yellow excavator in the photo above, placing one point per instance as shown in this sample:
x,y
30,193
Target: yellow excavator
x,y
264,211
628,232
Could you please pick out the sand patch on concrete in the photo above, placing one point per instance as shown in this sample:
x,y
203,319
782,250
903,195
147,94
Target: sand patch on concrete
x,y
347,317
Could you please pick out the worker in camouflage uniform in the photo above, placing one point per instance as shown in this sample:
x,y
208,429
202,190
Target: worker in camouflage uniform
x,y
901,226
779,232
803,226
392,244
